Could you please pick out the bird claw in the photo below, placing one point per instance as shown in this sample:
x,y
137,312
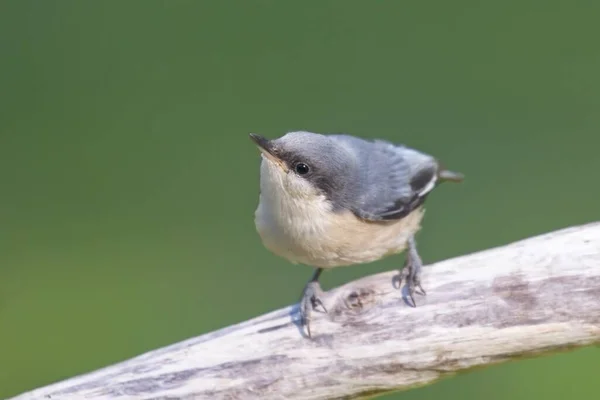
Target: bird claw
x,y
310,302
411,273
411,277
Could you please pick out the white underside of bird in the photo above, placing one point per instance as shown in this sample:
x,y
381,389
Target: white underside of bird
x,y
295,221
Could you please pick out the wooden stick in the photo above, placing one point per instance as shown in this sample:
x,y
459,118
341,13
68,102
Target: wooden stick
x,y
536,296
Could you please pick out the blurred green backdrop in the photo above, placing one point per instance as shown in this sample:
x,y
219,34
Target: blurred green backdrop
x,y
129,183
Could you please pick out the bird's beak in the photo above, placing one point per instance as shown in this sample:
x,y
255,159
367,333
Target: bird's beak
x,y
267,149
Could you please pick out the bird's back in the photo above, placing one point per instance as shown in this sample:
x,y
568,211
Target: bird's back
x,y
392,179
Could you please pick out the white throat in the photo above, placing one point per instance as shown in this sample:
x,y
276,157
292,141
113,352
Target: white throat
x,y
290,212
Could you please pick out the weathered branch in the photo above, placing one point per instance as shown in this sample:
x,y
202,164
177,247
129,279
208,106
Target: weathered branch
x,y
531,297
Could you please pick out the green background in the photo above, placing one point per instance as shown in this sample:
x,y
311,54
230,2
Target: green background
x,y
128,183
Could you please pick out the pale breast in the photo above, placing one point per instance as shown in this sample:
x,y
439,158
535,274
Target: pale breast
x,y
309,233
356,241
297,222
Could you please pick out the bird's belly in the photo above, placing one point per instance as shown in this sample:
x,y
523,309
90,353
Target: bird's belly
x,y
335,240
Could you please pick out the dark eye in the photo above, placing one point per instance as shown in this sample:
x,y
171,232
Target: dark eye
x,y
301,169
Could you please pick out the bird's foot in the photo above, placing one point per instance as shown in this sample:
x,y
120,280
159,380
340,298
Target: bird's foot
x,y
310,302
413,284
411,273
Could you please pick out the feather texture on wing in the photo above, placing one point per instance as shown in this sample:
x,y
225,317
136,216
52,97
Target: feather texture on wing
x,y
393,180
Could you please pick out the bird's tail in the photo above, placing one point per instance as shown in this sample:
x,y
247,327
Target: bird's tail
x,y
445,175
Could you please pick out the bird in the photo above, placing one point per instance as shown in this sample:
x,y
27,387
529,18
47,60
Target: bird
x,y
333,200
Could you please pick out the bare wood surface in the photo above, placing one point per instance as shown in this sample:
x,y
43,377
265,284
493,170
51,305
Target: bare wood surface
x,y
531,297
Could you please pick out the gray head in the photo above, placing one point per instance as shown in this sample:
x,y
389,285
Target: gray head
x,y
307,164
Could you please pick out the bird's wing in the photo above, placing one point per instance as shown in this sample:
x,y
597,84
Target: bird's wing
x,y
394,180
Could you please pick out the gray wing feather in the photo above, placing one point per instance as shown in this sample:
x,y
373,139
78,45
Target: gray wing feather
x,y
393,180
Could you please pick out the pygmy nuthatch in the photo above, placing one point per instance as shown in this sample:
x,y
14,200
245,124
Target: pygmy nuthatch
x,y
335,200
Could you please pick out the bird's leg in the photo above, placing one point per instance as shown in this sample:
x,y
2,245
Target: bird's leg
x,y
412,271
310,299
